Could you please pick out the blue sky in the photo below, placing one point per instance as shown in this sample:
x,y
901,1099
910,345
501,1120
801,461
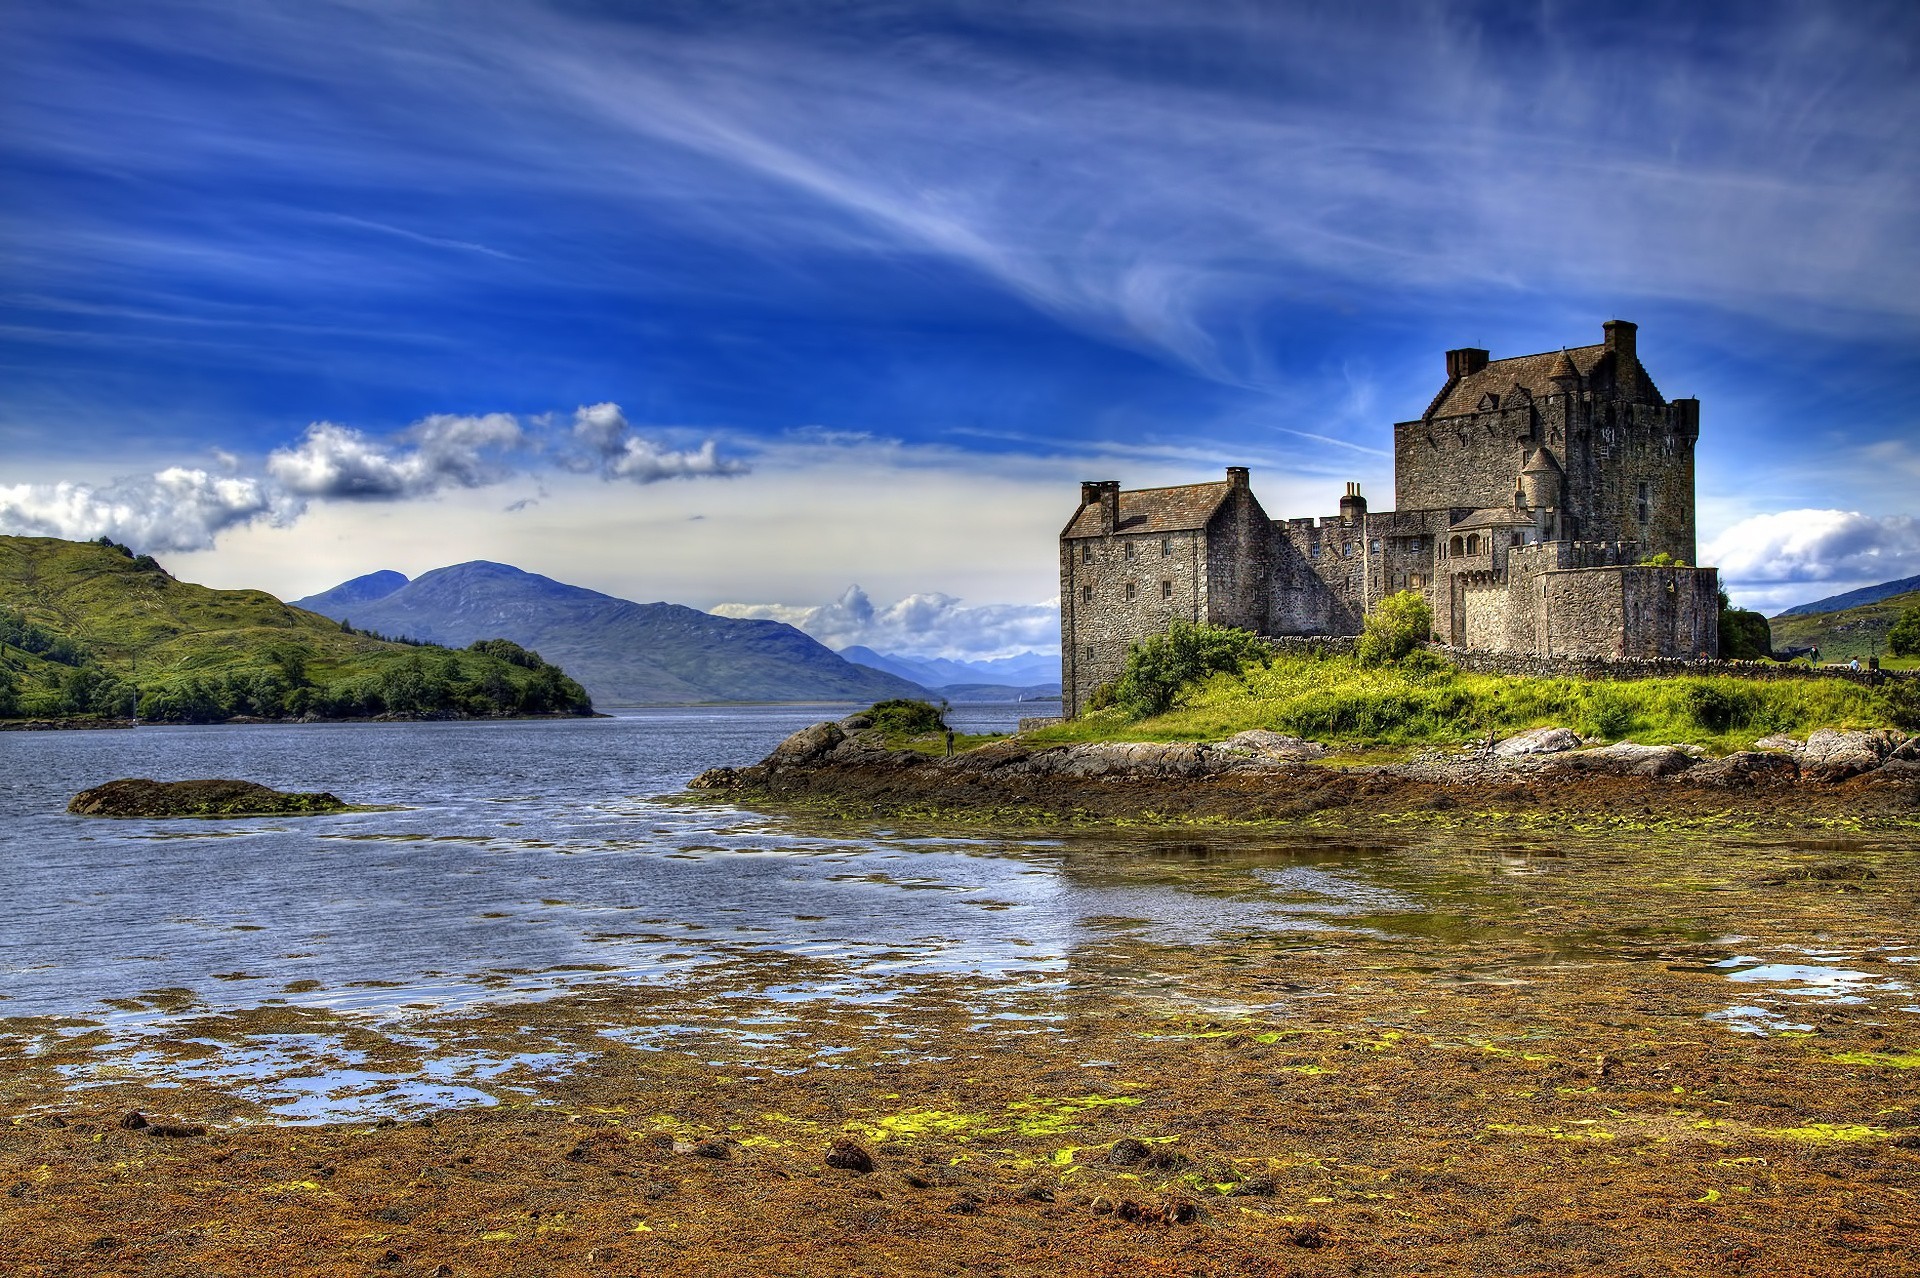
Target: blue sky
x,y
741,304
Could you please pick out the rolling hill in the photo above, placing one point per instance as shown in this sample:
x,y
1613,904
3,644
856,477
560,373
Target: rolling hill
x,y
87,628
1847,633
624,652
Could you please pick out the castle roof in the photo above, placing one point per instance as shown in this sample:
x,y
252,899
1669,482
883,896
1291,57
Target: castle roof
x,y
1543,462
1531,373
1153,510
1493,517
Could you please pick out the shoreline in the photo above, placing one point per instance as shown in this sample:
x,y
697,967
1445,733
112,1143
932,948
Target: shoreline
x,y
1855,781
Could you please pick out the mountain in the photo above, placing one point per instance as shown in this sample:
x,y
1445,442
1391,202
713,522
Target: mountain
x,y
624,652
88,628
361,590
1027,669
1859,631
1855,598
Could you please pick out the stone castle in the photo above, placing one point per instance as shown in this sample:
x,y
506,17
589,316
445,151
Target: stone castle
x,y
1529,495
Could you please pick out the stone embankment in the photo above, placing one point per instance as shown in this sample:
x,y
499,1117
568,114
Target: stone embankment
x,y
1261,775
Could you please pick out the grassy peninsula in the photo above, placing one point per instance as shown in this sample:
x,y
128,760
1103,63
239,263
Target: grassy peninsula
x,y
1426,701
91,631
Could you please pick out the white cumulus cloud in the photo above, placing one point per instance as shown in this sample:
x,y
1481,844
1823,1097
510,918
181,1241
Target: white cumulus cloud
x,y
176,509
919,625
1775,559
613,449
446,451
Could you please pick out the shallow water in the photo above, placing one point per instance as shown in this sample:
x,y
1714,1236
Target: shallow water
x,y
529,859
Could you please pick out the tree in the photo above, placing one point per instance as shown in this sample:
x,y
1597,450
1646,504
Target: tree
x,y
1397,625
1904,639
1159,667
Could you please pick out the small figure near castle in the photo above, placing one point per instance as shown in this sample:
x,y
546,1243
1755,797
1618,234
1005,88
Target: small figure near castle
x,y
1545,504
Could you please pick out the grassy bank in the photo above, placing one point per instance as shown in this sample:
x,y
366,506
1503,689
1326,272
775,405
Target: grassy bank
x,y
1337,700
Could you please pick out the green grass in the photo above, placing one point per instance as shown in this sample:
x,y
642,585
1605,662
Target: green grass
x,y
1336,700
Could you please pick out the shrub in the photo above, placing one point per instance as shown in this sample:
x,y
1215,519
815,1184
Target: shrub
x,y
1900,702
1744,636
1662,560
1904,639
1719,709
1608,714
1397,625
906,716
1159,667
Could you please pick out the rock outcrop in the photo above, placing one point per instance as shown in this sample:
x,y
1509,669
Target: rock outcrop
x,y
138,797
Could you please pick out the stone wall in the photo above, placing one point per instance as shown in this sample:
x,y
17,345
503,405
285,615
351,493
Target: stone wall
x,y
1534,664
1630,612
1114,590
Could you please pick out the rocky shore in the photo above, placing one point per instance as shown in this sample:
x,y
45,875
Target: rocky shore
x,y
1831,776
139,797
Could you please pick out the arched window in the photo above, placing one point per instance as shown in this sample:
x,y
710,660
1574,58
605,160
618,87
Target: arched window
x,y
1458,548
1473,544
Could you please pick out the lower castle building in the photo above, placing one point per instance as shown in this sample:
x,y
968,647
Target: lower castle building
x,y
1530,497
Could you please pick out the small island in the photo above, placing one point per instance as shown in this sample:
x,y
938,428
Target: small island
x,y
139,797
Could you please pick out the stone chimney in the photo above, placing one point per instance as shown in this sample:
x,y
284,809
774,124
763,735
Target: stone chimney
x,y
1237,477
1352,506
1465,362
1620,335
1104,493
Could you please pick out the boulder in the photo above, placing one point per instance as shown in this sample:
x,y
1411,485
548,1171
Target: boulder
x,y
1273,745
1834,754
139,797
1538,741
807,745
1631,759
716,779
1744,768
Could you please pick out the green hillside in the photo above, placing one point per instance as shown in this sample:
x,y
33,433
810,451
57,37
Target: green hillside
x,y
89,629
1859,632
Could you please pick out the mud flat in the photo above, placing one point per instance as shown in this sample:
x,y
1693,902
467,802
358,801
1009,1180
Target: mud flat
x,y
1513,1054
1546,778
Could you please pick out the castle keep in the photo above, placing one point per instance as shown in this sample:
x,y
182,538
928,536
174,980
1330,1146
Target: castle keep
x,y
1528,497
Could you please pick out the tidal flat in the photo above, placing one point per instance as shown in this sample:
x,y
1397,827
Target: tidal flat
x,y
622,1037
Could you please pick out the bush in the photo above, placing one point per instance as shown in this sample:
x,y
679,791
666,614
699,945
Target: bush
x,y
1719,709
1900,702
1397,625
1664,559
1159,667
1904,639
905,716
1608,714
1744,636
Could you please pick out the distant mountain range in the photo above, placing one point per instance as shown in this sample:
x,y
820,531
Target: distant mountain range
x,y
623,652
1855,598
1030,674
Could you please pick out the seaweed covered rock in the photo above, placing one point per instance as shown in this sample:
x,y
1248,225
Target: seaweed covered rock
x,y
138,797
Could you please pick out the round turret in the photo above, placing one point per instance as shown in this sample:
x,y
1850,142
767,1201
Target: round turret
x,y
1542,481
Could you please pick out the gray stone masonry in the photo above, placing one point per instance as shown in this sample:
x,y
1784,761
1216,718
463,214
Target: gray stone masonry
x,y
1531,493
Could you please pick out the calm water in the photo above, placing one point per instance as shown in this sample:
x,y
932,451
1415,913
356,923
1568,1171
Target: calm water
x,y
524,859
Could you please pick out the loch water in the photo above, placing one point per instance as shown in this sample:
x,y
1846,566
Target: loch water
x,y
522,860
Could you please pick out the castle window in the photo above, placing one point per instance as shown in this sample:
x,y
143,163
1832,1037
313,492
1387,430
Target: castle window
x,y
1086,552
1129,550
1346,550
1166,590
1459,547
1129,590
1086,594
1313,551
1416,580
1166,547
1473,544
1643,501
1090,656
1518,540
1375,546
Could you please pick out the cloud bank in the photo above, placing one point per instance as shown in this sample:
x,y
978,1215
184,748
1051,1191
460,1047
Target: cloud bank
x,y
184,509
1793,556
175,509
920,625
